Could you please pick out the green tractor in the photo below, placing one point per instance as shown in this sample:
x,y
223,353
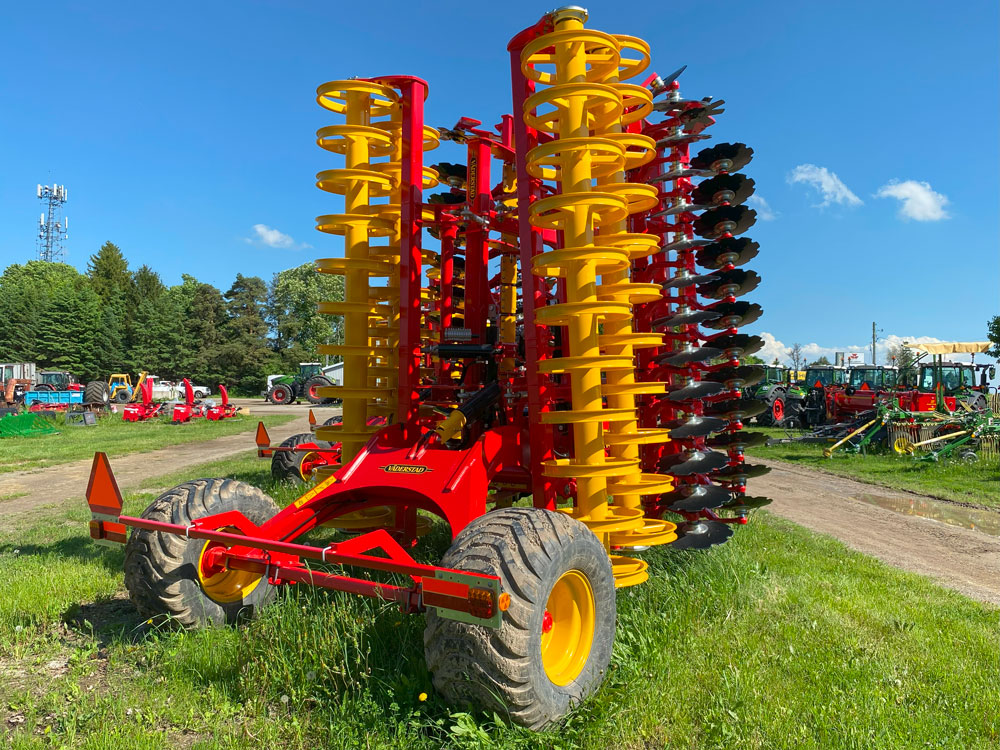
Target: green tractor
x,y
806,401
287,389
773,391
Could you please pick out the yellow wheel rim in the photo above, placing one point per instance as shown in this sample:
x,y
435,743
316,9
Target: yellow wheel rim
x,y
307,458
226,586
568,627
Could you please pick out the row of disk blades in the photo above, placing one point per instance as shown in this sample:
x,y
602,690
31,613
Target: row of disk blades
x,y
704,407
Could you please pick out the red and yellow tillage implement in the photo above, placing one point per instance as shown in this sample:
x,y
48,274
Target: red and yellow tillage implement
x,y
534,353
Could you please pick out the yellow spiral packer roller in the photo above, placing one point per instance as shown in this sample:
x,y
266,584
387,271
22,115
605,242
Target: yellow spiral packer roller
x,y
579,101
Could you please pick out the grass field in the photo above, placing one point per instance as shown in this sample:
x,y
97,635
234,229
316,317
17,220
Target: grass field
x,y
779,639
118,438
961,481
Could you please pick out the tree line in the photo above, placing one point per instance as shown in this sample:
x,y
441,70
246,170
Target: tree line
x,y
114,319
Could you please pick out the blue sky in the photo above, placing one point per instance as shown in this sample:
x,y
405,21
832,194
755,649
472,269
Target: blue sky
x,y
179,128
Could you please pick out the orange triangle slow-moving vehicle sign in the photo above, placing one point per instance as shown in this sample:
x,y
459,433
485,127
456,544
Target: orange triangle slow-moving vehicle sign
x,y
263,440
103,495
312,418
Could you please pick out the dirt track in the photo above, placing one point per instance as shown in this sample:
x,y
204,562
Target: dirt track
x,y
41,489
960,558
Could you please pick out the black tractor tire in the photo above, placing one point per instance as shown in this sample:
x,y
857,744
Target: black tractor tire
x,y
768,418
161,570
281,394
794,414
121,396
285,464
333,421
45,387
309,387
501,669
96,392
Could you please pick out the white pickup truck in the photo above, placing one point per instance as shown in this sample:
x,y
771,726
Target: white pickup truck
x,y
171,391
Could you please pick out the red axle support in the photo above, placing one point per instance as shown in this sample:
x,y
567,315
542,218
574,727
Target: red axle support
x,y
252,548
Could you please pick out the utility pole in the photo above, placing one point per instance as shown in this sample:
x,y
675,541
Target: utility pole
x,y
873,343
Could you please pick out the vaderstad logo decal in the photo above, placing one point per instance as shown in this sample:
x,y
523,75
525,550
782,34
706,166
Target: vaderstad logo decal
x,y
404,469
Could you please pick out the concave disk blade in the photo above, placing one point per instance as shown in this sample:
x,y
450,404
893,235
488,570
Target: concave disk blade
x,y
745,343
745,502
714,189
746,374
738,438
695,497
741,471
692,391
718,221
738,154
724,283
738,408
698,354
686,318
686,244
457,172
694,462
734,314
679,282
735,250
701,535
693,427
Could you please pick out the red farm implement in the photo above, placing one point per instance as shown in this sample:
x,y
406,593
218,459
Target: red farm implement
x,y
146,408
225,410
190,409
302,457
547,347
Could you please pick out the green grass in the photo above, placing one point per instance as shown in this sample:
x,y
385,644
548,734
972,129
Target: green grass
x,y
953,479
779,639
118,438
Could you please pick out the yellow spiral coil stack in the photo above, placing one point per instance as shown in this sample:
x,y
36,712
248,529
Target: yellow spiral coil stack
x,y
372,129
579,101
624,436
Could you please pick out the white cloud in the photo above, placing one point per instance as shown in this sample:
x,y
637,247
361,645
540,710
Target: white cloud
x,y
831,187
764,211
812,351
271,237
917,200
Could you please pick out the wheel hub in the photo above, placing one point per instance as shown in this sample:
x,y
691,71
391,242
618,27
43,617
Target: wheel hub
x,y
220,583
568,627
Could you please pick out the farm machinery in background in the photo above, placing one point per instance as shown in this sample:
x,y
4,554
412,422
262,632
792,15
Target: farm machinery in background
x,y
571,340
772,390
147,408
287,389
935,410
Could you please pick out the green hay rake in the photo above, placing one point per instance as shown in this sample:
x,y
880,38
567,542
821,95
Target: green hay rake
x,y
25,425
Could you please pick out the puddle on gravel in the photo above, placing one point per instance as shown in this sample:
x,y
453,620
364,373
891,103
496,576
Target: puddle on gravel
x,y
985,521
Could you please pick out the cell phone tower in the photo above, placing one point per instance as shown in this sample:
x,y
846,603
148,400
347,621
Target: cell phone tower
x,y
52,229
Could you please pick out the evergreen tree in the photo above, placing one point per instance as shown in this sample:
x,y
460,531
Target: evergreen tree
x,y
245,354
68,332
25,290
109,274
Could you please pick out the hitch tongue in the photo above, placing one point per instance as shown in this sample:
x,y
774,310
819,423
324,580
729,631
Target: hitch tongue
x,y
105,501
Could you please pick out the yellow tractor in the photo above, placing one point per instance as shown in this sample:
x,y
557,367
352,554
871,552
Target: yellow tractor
x,y
121,389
